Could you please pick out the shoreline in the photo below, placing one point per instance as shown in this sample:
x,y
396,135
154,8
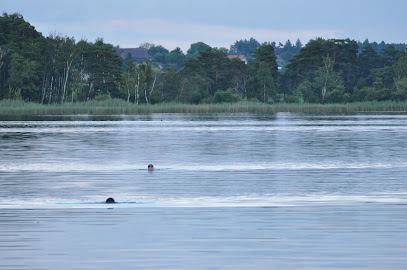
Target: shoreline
x,y
119,107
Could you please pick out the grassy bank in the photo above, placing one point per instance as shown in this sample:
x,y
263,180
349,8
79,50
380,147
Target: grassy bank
x,y
119,107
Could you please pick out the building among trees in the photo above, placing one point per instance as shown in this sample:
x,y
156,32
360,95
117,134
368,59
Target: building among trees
x,y
139,55
240,56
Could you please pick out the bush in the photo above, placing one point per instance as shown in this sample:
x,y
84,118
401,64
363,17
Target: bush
x,y
155,98
335,96
291,99
194,97
359,95
346,98
383,94
225,96
103,97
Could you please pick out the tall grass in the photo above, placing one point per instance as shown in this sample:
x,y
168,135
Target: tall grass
x,y
119,107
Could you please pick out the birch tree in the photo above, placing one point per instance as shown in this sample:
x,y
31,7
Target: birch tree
x,y
70,52
3,53
326,79
144,81
130,79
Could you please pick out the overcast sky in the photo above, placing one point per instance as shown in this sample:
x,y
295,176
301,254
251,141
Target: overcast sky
x,y
219,23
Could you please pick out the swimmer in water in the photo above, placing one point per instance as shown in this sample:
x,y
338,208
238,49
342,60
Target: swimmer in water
x,y
150,167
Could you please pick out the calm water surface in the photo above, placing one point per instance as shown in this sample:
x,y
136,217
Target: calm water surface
x,y
230,191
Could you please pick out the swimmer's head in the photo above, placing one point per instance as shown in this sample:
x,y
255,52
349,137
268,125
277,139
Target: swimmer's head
x,y
150,167
110,200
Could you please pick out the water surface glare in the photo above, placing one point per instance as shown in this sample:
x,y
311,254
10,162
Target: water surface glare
x,y
229,191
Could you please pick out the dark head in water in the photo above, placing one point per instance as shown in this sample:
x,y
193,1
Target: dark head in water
x,y
150,167
110,200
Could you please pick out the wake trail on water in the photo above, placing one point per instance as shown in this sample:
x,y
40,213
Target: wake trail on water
x,y
83,167
211,202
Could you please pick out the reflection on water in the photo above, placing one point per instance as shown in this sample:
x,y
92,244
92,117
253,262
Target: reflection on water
x,y
241,191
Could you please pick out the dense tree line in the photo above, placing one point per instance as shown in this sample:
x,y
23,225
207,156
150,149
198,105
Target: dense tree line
x,y
334,71
57,69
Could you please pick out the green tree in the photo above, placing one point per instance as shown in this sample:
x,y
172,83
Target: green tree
x,y
401,67
204,75
390,55
194,83
21,45
4,54
216,67
263,75
159,54
103,67
309,65
368,60
225,96
305,91
23,77
170,85
239,71
400,77
70,53
196,48
298,46
266,55
157,49
401,93
389,58
326,79
245,47
336,95
145,82
381,92
175,58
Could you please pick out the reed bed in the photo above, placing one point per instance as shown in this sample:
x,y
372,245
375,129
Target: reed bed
x,y
119,107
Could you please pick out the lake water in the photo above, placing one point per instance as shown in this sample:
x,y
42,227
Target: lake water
x,y
229,191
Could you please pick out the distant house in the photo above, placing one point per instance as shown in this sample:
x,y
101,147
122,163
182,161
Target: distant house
x,y
138,54
241,57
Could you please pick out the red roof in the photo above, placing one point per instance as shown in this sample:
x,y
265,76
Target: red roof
x,y
241,56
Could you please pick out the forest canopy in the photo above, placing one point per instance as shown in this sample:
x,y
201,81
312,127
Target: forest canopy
x,y
59,69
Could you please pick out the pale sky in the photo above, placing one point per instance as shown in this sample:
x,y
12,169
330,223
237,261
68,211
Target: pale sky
x,y
218,23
